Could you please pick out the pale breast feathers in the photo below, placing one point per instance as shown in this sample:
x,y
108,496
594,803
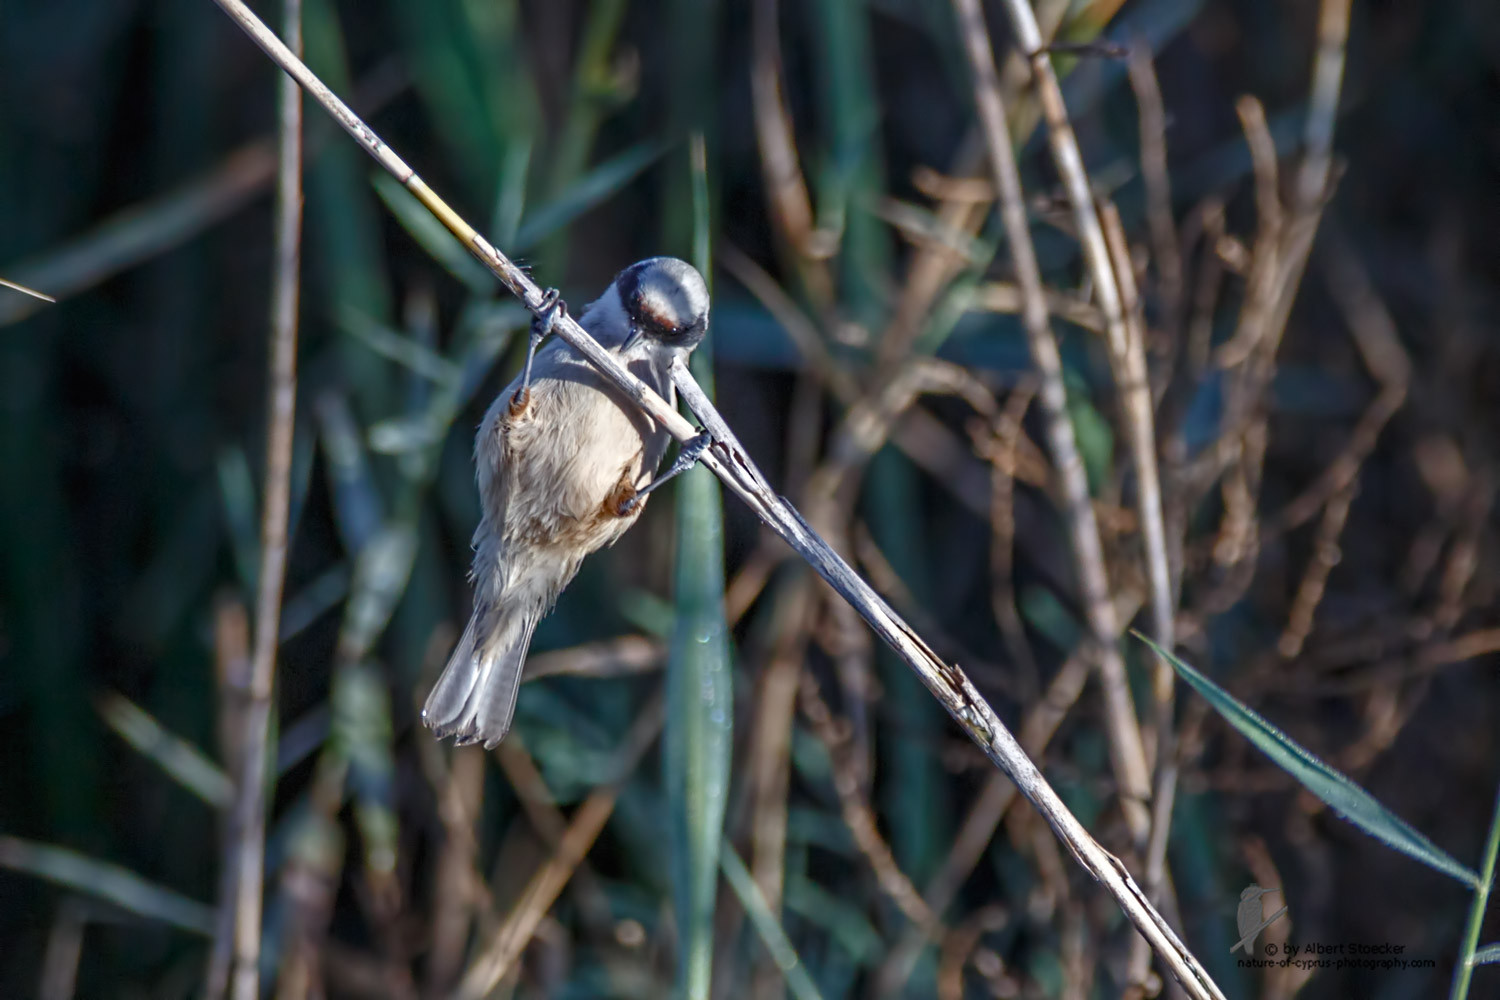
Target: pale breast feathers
x,y
566,455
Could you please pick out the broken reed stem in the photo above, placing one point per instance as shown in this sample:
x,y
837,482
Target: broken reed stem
x,y
728,460
251,803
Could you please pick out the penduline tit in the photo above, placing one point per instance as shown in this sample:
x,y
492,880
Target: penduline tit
x,y
564,465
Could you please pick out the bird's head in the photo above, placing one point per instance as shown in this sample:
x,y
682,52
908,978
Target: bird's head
x,y
665,300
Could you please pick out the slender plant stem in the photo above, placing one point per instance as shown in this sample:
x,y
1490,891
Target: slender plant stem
x,y
39,296
729,460
1165,252
1465,968
253,792
1127,750
1114,292
1130,764
782,951
1111,279
1135,390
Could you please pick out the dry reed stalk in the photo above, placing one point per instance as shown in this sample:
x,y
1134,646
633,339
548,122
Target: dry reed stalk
x,y
1127,751
1124,733
254,784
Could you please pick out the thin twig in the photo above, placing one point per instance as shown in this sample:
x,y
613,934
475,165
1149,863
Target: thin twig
x,y
936,263
542,890
786,190
1463,556
855,807
1135,390
1265,259
1323,106
253,792
803,331
1165,250
458,887
1001,297
979,825
1272,298
1008,435
733,465
1380,347
13,286
771,743
1374,332
550,825
1200,324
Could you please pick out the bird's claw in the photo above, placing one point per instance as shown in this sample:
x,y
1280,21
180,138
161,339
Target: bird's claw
x,y
552,306
687,456
692,450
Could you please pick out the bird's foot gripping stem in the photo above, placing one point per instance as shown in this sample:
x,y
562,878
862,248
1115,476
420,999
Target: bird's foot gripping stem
x,y
687,457
541,324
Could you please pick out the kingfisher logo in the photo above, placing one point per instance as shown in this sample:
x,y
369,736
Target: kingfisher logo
x,y
1251,917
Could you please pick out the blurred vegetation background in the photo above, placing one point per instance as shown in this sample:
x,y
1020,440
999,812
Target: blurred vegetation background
x,y
1337,570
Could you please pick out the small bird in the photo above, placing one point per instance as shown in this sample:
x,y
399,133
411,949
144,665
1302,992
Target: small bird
x,y
564,463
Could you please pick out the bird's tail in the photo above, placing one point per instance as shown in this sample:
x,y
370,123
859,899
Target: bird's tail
x,y
475,697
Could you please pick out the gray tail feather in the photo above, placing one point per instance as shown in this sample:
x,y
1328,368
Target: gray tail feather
x,y
475,697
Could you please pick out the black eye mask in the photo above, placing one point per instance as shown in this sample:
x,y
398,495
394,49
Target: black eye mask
x,y
650,322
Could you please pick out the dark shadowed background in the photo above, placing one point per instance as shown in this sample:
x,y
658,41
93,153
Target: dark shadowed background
x,y
136,165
